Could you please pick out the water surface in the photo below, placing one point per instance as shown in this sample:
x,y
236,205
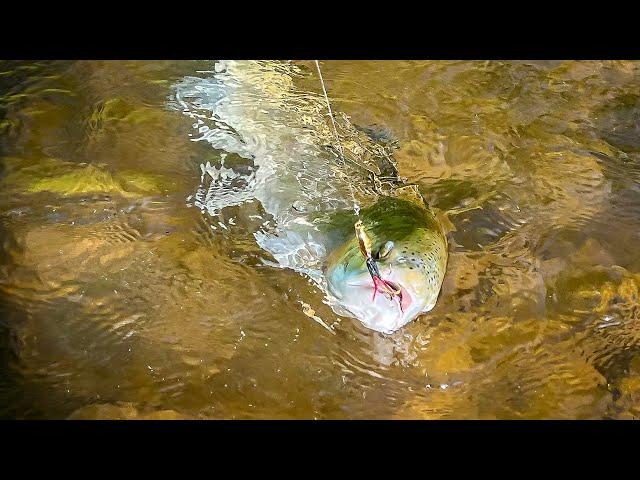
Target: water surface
x,y
120,298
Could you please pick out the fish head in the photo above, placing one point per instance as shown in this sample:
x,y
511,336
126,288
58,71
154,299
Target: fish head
x,y
412,264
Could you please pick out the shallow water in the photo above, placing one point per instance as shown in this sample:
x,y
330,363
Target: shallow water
x,y
119,298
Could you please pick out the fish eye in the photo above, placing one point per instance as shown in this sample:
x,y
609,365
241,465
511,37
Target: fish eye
x,y
385,250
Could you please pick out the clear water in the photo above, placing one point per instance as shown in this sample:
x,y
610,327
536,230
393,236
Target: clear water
x,y
119,300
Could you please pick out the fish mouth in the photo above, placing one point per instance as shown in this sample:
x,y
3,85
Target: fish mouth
x,y
386,311
373,283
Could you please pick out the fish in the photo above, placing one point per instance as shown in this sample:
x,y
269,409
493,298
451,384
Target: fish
x,y
409,247
345,221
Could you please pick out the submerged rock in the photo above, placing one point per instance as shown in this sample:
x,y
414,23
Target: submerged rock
x,y
68,179
487,368
125,411
87,179
627,392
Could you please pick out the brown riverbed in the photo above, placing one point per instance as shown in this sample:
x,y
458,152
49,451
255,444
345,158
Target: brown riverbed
x,y
118,299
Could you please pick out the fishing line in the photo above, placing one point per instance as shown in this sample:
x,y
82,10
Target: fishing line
x,y
379,284
356,207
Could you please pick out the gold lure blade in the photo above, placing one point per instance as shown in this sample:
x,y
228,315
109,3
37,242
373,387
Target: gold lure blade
x,y
363,240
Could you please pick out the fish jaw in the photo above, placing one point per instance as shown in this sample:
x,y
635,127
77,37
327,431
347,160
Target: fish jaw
x,y
380,313
402,296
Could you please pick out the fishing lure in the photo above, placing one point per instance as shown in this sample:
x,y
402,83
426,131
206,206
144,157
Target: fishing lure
x,y
388,289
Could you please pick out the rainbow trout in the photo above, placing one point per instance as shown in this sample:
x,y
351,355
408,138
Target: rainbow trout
x,y
384,267
410,253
